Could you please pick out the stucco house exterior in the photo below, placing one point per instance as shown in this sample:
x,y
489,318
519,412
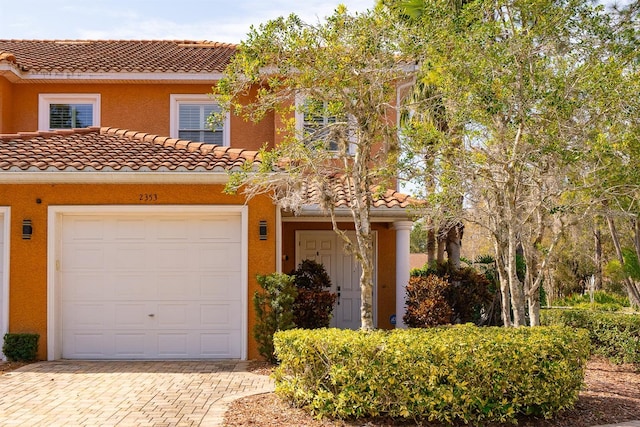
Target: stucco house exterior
x,y
116,239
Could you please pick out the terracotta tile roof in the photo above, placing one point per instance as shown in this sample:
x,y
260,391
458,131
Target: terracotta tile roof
x,y
130,56
110,149
341,191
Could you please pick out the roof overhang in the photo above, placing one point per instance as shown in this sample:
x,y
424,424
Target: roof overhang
x,y
314,213
79,177
12,73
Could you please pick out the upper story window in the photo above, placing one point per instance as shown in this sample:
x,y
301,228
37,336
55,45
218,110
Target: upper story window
x,y
189,114
314,119
68,110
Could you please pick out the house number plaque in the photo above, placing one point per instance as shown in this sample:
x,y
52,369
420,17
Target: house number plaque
x,y
148,197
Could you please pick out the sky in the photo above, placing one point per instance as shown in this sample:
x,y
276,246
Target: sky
x,y
212,20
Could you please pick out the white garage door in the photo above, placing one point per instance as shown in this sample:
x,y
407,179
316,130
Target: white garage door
x,y
149,286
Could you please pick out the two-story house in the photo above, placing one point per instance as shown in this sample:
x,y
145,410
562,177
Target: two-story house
x,y
116,239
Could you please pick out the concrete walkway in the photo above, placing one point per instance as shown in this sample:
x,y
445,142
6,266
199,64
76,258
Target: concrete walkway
x,y
115,393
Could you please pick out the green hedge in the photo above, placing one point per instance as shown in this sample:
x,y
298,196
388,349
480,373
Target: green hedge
x,y
462,373
613,335
20,347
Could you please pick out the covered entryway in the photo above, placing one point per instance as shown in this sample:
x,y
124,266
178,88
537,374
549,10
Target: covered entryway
x,y
327,248
155,283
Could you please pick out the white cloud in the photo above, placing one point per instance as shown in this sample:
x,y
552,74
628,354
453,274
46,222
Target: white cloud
x,y
227,21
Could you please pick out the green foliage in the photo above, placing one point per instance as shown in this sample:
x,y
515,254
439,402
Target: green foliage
x,y
314,303
418,238
274,310
613,335
20,347
631,264
445,295
453,374
602,301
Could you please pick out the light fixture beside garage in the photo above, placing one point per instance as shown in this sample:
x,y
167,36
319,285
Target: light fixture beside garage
x,y
263,230
27,229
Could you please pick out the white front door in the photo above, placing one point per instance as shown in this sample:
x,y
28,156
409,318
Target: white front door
x,y
326,248
151,285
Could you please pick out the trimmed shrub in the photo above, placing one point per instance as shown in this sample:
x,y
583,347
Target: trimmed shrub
x,y
20,347
314,304
615,336
447,374
274,310
445,295
427,304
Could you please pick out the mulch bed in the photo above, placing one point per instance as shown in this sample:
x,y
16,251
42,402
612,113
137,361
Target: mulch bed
x,y
611,395
11,366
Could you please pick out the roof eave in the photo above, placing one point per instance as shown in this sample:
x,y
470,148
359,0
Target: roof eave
x,y
15,75
80,177
377,214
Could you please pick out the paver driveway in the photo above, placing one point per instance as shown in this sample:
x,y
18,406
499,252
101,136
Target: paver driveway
x,y
124,393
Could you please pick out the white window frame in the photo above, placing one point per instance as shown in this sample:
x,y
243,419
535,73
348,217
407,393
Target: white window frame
x,y
46,99
174,108
299,115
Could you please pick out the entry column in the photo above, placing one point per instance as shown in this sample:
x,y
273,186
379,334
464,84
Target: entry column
x,y
403,233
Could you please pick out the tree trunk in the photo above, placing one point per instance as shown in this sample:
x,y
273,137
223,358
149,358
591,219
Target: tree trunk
x,y
431,247
454,244
515,287
505,297
441,249
633,288
597,257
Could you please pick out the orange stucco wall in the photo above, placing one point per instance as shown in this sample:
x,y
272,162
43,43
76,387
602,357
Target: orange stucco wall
x,y
139,107
28,258
6,95
386,282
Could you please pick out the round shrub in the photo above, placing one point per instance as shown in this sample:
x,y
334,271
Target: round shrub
x,y
448,374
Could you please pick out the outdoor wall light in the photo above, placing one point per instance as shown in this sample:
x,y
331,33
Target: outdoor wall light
x,y
263,230
27,229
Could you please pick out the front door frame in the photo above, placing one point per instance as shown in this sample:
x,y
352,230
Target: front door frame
x,y
338,239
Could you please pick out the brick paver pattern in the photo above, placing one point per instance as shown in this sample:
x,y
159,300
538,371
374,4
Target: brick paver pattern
x,y
125,393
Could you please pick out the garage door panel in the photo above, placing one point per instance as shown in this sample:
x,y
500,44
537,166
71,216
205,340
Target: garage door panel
x,y
151,286
131,315
172,257
174,230
222,229
130,345
85,345
85,316
84,286
219,286
83,229
128,286
84,257
223,258
220,316
218,345
173,344
131,229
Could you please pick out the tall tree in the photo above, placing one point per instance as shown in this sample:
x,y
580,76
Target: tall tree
x,y
518,82
343,75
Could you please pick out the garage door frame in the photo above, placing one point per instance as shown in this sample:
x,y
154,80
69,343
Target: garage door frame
x,y
55,214
5,223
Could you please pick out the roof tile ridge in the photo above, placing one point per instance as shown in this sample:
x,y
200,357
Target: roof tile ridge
x,y
6,137
7,57
105,130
